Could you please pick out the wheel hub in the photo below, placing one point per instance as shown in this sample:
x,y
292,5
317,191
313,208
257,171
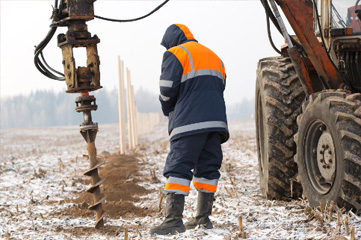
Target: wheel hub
x,y
326,159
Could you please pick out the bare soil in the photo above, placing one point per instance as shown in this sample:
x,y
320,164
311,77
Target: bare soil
x,y
121,190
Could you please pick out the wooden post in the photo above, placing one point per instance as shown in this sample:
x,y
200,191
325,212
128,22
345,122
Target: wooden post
x,y
138,123
145,122
121,106
129,113
134,117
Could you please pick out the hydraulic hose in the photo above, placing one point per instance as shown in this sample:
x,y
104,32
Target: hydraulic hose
x,y
134,19
41,63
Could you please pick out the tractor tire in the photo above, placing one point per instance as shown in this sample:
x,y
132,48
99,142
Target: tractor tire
x,y
279,97
329,149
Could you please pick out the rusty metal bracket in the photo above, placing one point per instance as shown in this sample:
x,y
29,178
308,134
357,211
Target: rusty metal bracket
x,y
300,16
74,15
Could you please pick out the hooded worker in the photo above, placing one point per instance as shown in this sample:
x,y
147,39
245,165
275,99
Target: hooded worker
x,y
191,95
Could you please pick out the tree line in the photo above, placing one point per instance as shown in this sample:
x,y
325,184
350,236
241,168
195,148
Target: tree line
x,y
47,108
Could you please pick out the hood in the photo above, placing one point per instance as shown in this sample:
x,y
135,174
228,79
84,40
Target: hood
x,y
175,35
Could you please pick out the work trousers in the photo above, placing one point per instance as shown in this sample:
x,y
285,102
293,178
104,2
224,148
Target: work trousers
x,y
197,157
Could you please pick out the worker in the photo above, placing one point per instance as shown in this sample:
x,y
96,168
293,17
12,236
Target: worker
x,y
192,82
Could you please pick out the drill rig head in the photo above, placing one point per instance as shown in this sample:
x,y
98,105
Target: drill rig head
x,y
74,14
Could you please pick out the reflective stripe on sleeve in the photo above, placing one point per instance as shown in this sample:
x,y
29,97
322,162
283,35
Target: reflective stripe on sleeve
x,y
202,72
164,98
177,185
165,83
197,126
205,185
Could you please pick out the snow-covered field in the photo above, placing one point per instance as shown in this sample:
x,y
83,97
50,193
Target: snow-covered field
x,y
42,167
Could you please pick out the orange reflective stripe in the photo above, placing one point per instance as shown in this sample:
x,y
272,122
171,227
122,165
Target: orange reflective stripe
x,y
207,187
174,186
186,31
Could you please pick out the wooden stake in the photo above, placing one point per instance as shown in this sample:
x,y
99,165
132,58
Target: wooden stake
x,y
352,237
338,224
321,207
241,234
240,224
160,193
134,117
121,106
346,225
129,114
330,212
160,203
326,206
126,234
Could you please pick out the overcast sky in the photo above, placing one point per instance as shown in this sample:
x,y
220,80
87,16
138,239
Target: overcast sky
x,y
235,30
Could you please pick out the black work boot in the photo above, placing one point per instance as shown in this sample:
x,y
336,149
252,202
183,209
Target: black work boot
x,y
173,216
204,209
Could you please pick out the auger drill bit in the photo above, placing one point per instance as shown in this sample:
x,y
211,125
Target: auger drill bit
x,y
85,104
74,14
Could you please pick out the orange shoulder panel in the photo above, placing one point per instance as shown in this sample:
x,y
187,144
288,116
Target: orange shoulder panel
x,y
203,57
182,58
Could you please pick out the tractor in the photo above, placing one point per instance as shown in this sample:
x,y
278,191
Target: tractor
x,y
308,104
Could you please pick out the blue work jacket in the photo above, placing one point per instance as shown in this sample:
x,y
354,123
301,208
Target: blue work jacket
x,y
191,86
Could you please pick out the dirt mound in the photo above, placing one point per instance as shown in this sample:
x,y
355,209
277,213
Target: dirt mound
x,y
109,231
120,188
